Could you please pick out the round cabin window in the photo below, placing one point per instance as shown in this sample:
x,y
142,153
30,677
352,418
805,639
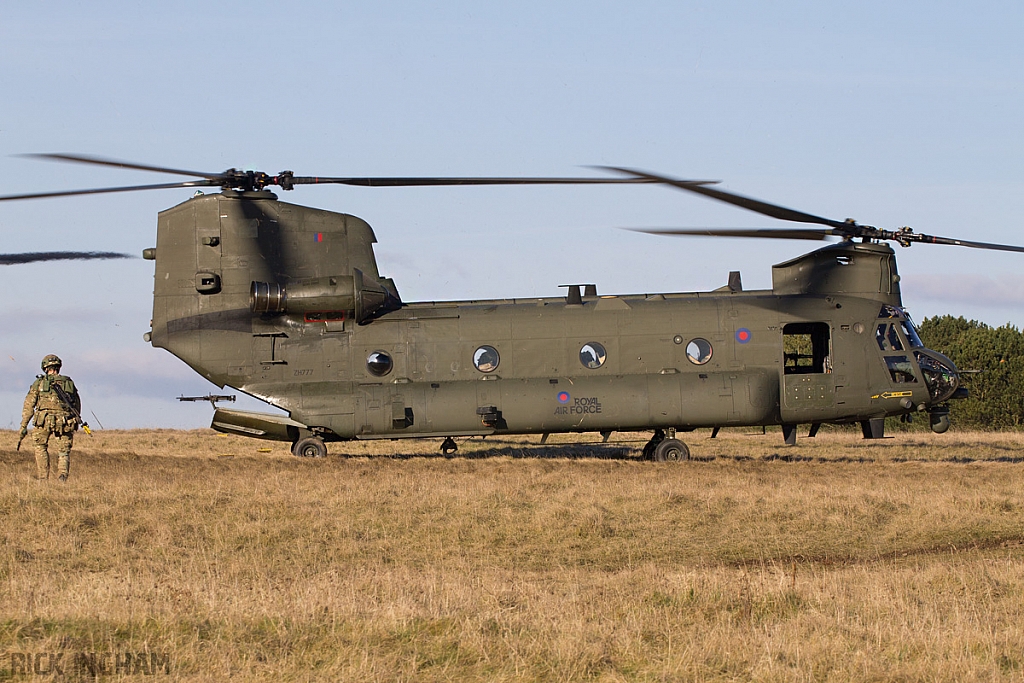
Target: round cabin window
x,y
379,363
486,359
699,351
593,355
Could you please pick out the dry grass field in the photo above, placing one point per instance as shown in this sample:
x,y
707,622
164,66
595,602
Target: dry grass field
x,y
834,560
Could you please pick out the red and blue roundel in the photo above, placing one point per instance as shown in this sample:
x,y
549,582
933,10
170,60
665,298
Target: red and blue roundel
x,y
563,397
743,335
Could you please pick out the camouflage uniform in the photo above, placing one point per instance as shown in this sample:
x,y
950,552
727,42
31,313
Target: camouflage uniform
x,y
53,421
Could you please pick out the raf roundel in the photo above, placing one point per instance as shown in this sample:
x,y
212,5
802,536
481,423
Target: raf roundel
x,y
743,335
563,397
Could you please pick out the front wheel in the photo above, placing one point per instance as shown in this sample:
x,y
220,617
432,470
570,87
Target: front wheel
x,y
671,450
310,447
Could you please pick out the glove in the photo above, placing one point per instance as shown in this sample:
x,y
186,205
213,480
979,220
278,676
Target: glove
x,y
23,433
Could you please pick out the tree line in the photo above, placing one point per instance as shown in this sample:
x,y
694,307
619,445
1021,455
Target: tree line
x,y
991,360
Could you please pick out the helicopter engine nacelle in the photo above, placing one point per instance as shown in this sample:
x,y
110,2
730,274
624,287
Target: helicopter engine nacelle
x,y
346,296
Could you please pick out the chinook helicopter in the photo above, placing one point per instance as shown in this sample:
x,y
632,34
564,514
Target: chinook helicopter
x,y
286,303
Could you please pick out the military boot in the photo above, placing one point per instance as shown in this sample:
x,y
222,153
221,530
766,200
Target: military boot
x,y
64,466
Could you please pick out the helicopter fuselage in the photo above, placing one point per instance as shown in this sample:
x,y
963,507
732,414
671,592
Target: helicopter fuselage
x,y
285,303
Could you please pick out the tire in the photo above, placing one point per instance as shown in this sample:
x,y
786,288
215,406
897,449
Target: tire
x,y
310,447
671,450
648,452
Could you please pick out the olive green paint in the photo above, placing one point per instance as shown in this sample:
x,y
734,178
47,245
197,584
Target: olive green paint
x,y
286,303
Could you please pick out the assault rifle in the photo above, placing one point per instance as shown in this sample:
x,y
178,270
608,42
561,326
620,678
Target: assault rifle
x,y
66,400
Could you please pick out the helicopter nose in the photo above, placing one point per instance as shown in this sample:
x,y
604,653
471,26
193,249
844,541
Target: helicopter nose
x,y
940,375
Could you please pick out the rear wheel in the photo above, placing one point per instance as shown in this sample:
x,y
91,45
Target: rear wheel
x,y
648,452
671,450
310,447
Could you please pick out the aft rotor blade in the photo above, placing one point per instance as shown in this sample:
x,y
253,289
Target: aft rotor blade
x,y
100,161
36,256
764,208
430,182
772,233
107,190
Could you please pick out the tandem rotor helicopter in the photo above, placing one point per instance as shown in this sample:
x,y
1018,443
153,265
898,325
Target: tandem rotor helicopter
x,y
286,303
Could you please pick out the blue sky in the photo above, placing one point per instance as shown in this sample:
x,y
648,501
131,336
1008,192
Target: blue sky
x,y
891,113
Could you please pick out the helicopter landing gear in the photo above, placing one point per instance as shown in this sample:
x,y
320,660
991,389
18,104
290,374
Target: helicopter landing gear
x,y
310,447
873,428
671,450
789,434
448,446
648,452
665,447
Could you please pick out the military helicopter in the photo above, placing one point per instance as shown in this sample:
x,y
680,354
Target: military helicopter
x,y
286,303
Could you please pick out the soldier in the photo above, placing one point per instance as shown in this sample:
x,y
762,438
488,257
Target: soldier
x,y
52,417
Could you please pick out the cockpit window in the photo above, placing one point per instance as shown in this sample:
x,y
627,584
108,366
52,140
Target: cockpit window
x,y
910,329
894,339
890,312
887,337
940,379
900,369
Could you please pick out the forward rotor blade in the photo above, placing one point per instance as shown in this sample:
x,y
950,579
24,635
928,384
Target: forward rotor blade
x,y
100,161
36,256
764,208
772,233
929,239
107,190
430,182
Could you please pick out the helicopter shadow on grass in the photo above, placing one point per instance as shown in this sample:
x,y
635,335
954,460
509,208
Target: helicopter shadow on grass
x,y
502,448
508,448
597,451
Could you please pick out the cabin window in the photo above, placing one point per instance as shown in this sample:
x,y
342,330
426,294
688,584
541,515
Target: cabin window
x,y
486,359
807,348
379,363
900,369
593,355
699,351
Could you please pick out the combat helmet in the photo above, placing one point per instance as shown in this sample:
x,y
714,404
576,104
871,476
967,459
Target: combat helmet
x,y
51,361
